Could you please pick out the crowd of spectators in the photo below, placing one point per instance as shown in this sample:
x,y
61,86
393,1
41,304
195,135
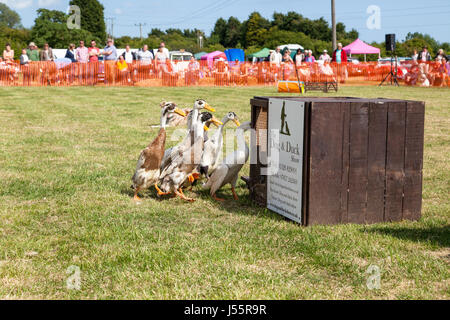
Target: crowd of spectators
x,y
424,73
150,64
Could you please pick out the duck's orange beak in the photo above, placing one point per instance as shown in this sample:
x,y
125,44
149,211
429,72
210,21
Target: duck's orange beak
x,y
180,112
216,121
236,121
209,108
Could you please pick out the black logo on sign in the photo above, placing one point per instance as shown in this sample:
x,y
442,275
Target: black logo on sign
x,y
284,125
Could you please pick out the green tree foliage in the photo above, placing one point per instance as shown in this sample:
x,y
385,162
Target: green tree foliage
x,y
18,38
92,17
255,30
232,33
8,17
219,32
51,26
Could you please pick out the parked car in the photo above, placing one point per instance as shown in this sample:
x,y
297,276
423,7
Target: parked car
x,y
180,59
353,60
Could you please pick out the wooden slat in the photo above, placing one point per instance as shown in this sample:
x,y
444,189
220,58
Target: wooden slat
x,y
306,164
357,181
345,147
325,164
414,142
395,160
376,162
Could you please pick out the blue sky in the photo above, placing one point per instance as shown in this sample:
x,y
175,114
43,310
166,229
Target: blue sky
x,y
399,17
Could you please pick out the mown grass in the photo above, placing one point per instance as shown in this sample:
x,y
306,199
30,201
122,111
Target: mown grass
x,y
67,155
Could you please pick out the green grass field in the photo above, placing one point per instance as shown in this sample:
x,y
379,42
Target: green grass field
x,y
67,156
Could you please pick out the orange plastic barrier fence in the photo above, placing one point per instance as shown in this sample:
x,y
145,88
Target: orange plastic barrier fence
x,y
217,73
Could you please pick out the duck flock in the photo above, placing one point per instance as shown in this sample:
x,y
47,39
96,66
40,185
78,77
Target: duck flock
x,y
197,157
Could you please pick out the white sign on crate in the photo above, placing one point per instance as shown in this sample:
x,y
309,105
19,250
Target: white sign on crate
x,y
284,182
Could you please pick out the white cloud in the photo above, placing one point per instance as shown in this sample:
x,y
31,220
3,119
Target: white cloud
x,y
18,4
118,11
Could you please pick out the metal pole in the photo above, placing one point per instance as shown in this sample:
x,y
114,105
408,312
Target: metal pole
x,y
333,23
140,25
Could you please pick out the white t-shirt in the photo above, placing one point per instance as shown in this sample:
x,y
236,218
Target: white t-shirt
x,y
325,57
166,52
161,56
146,57
276,57
128,57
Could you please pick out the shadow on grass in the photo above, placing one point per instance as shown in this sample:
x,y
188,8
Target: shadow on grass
x,y
242,207
439,236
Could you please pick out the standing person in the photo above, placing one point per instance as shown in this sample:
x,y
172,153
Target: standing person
x,y
8,53
24,60
339,55
70,53
24,67
33,52
192,75
129,56
415,55
161,60
145,57
165,50
275,62
46,54
82,56
110,53
423,59
325,57
92,67
299,58
309,57
276,57
82,53
48,69
440,55
424,55
93,52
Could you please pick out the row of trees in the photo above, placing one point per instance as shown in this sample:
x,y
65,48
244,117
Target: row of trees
x,y
252,34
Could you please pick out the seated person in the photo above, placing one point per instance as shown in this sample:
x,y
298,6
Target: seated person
x,y
221,72
412,75
193,72
122,68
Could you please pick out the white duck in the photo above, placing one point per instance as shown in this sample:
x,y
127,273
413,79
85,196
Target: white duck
x,y
184,162
214,146
149,163
188,141
228,171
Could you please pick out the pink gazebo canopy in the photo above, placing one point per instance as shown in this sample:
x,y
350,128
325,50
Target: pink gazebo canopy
x,y
360,47
214,55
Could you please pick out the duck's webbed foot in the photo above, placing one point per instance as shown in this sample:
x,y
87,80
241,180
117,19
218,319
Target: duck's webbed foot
x,y
182,196
160,193
234,194
217,198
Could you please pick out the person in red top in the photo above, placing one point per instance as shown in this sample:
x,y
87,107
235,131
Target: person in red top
x,y
340,60
94,53
339,55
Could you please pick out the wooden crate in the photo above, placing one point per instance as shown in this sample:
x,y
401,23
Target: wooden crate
x,y
362,159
